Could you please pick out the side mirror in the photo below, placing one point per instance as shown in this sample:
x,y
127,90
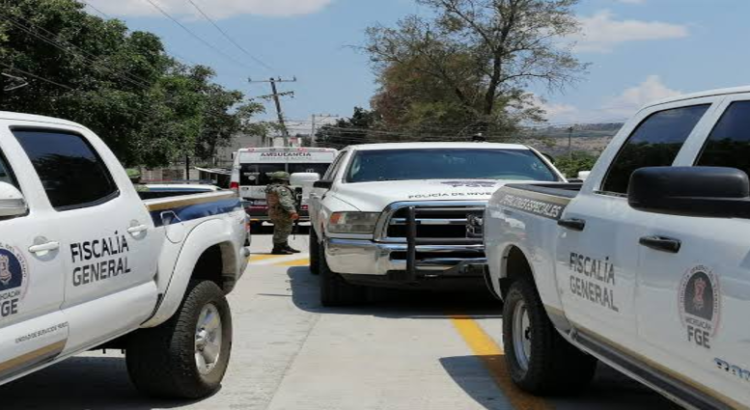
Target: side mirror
x,y
12,202
583,175
691,191
323,184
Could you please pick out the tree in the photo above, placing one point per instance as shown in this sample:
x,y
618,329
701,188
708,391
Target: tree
x,y
577,161
354,130
150,109
467,65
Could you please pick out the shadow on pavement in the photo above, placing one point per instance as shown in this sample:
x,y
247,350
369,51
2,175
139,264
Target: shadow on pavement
x,y
395,303
470,374
80,383
609,387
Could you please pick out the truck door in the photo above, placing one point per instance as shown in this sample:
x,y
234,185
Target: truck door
x,y
597,257
33,329
702,291
317,194
108,245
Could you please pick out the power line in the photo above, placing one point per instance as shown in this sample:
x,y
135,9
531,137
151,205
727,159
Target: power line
x,y
96,9
132,79
36,76
230,38
197,37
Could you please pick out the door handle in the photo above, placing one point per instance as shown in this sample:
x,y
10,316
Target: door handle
x,y
572,224
135,230
44,247
661,243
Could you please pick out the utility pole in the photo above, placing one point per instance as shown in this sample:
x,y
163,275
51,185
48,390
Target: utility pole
x,y
314,129
275,96
570,142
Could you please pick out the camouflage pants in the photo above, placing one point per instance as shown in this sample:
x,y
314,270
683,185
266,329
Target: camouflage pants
x,y
282,228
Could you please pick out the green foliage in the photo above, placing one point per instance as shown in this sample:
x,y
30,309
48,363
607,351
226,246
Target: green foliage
x,y
350,131
571,165
465,67
147,107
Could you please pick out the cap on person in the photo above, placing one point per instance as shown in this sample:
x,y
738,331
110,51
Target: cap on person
x,y
279,176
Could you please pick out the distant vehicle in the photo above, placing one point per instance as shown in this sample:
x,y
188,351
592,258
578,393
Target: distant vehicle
x,y
86,262
404,215
252,166
645,266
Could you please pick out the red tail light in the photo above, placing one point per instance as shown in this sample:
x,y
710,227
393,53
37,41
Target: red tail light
x,y
235,186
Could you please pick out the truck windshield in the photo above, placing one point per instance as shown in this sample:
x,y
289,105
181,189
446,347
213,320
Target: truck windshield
x,y
397,165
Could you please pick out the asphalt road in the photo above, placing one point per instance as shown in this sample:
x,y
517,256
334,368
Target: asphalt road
x,y
403,350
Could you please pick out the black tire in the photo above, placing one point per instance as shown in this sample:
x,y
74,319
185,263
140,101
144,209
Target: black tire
x,y
162,362
314,252
555,367
334,290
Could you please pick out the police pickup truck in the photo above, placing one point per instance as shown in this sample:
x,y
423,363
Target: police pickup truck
x,y
400,215
646,266
85,263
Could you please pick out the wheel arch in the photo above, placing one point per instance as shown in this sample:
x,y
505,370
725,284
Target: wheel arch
x,y
206,254
514,265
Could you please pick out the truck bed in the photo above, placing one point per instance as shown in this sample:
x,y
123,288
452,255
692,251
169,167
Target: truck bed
x,y
565,190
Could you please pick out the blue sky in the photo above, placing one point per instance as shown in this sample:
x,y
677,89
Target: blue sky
x,y
639,50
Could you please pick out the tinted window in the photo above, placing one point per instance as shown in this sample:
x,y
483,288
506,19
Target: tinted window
x,y
729,142
72,174
656,142
396,165
257,174
5,173
319,169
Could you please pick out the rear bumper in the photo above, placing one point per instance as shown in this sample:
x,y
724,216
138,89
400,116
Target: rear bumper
x,y
384,262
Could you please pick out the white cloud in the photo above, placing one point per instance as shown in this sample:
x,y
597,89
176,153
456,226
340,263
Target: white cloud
x,y
616,108
601,32
633,98
632,1
215,8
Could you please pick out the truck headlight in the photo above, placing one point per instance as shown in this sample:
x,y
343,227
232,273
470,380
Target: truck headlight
x,y
353,222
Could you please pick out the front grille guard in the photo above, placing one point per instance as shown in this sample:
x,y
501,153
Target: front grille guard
x,y
411,229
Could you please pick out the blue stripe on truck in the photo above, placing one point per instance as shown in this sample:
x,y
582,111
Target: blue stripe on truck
x,y
195,211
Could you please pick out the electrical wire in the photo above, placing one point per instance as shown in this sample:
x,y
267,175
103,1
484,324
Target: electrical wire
x,y
197,37
96,9
18,70
230,38
132,79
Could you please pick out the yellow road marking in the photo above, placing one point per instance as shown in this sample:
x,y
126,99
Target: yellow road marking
x,y
297,262
256,258
492,356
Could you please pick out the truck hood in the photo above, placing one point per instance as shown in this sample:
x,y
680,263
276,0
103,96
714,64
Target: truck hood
x,y
375,196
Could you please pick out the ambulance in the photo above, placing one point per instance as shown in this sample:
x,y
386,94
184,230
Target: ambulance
x,y
253,165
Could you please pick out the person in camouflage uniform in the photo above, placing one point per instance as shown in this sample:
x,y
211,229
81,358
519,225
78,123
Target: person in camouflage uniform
x,y
282,211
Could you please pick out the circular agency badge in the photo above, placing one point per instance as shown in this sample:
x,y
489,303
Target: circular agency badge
x,y
700,303
13,276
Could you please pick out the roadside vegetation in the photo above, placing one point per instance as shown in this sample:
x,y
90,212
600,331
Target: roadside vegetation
x,y
149,108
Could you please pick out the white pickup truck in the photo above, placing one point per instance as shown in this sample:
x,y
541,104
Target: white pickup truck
x,y
403,215
85,263
645,267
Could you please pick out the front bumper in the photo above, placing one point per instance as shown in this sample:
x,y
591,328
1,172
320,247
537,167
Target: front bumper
x,y
366,257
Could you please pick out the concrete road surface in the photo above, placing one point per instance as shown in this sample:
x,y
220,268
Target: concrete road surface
x,y
410,351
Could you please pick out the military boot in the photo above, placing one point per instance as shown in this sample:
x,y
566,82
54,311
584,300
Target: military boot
x,y
289,248
280,249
